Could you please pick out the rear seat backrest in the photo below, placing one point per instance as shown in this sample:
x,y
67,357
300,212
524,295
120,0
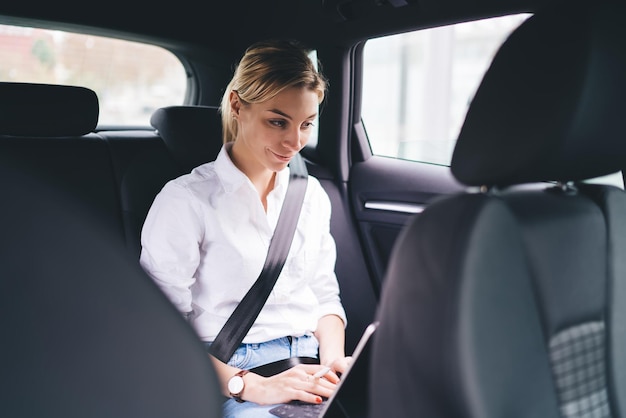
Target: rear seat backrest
x,y
46,129
185,137
141,165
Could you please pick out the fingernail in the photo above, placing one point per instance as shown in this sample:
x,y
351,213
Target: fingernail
x,y
318,400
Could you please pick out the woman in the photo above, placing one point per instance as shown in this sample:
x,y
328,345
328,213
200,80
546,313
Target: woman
x,y
207,233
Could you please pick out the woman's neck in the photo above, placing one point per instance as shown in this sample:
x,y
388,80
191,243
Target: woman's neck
x,y
262,178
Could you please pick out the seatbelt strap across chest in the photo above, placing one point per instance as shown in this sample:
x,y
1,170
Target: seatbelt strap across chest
x,y
244,315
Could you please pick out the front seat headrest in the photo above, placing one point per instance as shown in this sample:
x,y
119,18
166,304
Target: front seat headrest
x,y
552,105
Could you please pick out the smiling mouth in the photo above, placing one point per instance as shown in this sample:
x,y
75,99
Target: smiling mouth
x,y
282,157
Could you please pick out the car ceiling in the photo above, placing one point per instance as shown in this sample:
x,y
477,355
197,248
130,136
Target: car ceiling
x,y
232,24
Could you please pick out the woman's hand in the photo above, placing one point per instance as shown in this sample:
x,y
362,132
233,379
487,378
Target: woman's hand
x,y
340,365
297,383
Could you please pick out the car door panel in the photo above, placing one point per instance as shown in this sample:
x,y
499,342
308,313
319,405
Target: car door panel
x,y
386,193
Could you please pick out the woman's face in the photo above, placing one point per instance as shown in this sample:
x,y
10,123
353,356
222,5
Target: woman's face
x,y
271,133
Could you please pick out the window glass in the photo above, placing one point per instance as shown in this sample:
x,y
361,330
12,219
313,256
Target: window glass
x,y
313,138
131,79
430,77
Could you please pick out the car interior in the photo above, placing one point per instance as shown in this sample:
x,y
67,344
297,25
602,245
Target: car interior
x,y
498,298
486,243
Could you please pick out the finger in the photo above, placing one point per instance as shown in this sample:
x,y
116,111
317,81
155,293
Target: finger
x,y
332,377
340,366
321,373
319,390
329,378
305,396
309,368
320,386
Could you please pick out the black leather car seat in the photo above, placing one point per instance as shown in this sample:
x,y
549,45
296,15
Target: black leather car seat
x,y
85,332
510,300
48,130
192,134
184,137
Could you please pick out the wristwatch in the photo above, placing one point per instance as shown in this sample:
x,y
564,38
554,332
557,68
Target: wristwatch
x,y
236,385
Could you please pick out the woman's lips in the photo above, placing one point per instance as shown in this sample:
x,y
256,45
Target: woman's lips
x,y
282,157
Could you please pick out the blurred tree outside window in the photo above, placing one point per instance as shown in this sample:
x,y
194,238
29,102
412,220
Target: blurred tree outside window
x,y
131,79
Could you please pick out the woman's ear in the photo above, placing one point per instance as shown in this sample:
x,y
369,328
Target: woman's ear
x,y
235,103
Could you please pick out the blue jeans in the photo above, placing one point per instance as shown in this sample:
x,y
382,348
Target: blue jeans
x,y
248,356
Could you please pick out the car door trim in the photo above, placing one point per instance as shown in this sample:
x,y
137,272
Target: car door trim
x,y
400,207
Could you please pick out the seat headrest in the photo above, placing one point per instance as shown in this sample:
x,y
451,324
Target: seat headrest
x,y
193,134
552,105
47,110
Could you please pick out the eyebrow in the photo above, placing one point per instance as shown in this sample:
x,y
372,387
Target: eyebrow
x,y
280,112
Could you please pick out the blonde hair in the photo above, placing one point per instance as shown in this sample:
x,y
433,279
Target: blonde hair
x,y
266,69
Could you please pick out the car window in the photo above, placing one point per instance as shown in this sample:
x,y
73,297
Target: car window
x,y
444,65
430,78
313,137
131,79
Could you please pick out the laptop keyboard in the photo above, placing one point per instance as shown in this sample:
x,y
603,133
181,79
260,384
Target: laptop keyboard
x,y
298,410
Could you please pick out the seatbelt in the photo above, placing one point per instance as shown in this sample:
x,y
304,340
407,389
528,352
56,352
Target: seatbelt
x,y
244,315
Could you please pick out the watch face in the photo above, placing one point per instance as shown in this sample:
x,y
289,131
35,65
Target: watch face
x,y
235,385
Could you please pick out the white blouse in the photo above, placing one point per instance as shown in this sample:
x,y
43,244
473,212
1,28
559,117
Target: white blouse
x,y
205,240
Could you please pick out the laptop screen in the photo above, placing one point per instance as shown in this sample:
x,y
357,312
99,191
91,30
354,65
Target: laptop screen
x,y
350,398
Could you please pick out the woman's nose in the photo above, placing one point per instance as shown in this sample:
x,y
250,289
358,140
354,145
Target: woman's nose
x,y
295,140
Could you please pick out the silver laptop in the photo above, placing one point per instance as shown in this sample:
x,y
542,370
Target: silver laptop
x,y
349,400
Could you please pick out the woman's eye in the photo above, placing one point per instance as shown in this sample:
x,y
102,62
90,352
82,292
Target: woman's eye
x,y
308,124
278,123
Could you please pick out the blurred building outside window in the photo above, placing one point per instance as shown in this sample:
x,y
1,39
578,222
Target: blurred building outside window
x,y
430,77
